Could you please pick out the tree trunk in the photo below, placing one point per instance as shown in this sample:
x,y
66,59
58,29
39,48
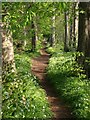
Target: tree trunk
x,y
87,37
76,25
24,42
81,33
66,33
84,35
52,35
87,30
70,41
0,55
71,26
53,30
36,27
81,29
33,37
8,64
74,20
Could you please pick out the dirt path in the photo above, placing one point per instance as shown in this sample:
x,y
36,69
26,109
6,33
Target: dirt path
x,y
39,65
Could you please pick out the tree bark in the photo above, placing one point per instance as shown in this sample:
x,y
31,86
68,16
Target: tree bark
x,y
87,31
8,63
53,29
74,20
76,25
87,37
70,41
66,33
84,36
81,29
36,27
33,37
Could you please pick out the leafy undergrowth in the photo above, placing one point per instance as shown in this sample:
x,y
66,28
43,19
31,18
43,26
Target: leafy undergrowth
x,y
55,49
22,95
28,49
70,83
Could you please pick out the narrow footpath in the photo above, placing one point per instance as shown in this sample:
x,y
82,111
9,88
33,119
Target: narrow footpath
x,y
58,107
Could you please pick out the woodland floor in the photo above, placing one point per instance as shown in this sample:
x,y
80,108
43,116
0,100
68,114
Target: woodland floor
x,y
58,107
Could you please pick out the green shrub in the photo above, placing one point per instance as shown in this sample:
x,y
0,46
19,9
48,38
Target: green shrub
x,y
57,48
23,97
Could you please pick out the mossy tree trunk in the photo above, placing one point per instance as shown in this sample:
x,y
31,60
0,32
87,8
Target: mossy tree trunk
x,y
8,64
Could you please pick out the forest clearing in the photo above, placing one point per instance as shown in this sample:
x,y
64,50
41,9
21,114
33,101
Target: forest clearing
x,y
45,60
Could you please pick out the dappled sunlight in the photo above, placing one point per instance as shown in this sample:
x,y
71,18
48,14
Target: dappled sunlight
x,y
45,60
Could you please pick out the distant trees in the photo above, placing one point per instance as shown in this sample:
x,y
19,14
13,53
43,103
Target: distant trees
x,y
20,27
27,22
70,42
77,22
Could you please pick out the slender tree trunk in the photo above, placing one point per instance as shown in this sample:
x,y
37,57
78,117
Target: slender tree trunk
x,y
0,72
70,41
24,42
74,20
66,33
76,25
0,67
52,37
33,37
36,27
71,27
0,54
53,30
87,31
